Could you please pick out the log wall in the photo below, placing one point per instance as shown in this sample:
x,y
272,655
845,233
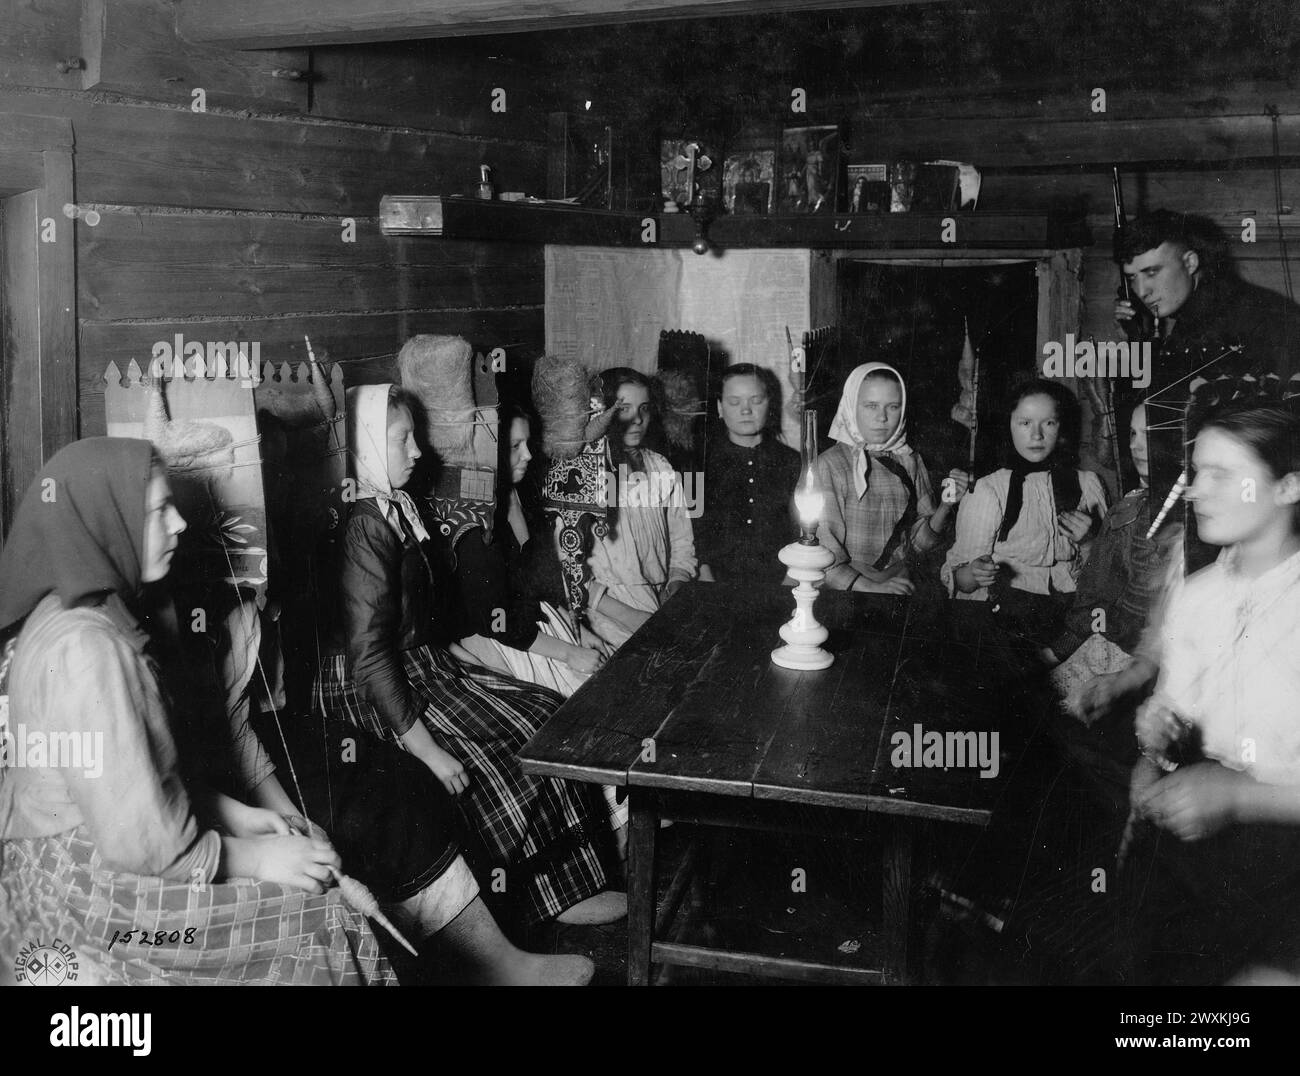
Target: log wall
x,y
256,219
1209,153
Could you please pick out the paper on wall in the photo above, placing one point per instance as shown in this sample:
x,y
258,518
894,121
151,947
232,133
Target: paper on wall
x,y
607,307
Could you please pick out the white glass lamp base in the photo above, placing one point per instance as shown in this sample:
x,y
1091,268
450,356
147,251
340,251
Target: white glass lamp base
x,y
802,634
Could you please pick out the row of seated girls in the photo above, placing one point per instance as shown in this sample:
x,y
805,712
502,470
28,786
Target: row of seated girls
x,y
1035,539
440,662
1022,534
1179,783
150,874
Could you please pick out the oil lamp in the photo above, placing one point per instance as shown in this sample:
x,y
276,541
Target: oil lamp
x,y
806,560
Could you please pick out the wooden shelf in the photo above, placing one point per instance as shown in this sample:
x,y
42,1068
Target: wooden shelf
x,y
470,218
515,222
881,231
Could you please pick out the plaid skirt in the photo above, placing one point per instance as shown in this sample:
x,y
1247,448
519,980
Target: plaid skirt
x,y
57,890
539,830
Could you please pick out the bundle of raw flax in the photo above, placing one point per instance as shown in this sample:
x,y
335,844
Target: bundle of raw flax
x,y
562,394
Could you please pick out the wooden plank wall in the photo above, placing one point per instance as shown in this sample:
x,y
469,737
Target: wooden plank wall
x,y
1208,153
231,223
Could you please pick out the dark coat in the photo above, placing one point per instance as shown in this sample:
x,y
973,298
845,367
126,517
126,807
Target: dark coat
x,y
387,606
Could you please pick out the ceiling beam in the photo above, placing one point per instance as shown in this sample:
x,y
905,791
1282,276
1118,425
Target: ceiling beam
x,y
267,24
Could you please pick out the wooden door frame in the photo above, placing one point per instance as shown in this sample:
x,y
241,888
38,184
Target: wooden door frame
x,y
1059,272
36,182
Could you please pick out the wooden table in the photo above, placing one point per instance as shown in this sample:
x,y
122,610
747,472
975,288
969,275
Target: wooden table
x,y
699,725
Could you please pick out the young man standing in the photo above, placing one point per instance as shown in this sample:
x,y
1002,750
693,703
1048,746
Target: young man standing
x,y
1210,323
1176,267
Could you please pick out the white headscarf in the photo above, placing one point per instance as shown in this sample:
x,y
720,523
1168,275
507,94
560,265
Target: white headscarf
x,y
367,411
844,427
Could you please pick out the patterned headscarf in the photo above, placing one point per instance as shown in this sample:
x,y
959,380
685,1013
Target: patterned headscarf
x,y
367,411
844,427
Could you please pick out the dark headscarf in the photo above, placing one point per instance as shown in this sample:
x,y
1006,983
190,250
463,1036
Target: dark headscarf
x,y
1066,489
1062,463
79,533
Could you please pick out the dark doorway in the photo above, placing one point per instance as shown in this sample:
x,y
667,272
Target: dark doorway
x,y
914,318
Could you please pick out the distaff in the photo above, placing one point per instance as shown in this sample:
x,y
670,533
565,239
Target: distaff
x,y
1178,489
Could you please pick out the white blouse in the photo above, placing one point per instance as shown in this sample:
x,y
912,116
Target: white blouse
x,y
1041,555
1230,664
650,544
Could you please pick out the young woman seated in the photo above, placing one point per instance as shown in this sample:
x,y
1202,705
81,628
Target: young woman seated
x,y
880,508
649,551
1023,533
390,672
749,483
114,859
513,597
512,589
392,822
1125,573
1211,864
1229,677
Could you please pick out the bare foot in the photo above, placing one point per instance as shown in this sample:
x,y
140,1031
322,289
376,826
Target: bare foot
x,y
606,907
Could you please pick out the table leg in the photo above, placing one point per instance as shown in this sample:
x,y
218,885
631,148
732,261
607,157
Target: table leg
x,y
643,823
896,904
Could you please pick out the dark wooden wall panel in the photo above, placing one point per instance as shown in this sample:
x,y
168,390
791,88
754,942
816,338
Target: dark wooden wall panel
x,y
132,47
434,85
21,433
36,35
155,289
228,224
1215,192
997,141
125,238
1208,153
1219,96
173,157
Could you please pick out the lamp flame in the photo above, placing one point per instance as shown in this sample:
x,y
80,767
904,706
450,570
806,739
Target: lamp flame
x,y
808,501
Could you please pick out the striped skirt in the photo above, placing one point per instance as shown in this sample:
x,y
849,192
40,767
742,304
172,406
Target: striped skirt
x,y
539,830
56,892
